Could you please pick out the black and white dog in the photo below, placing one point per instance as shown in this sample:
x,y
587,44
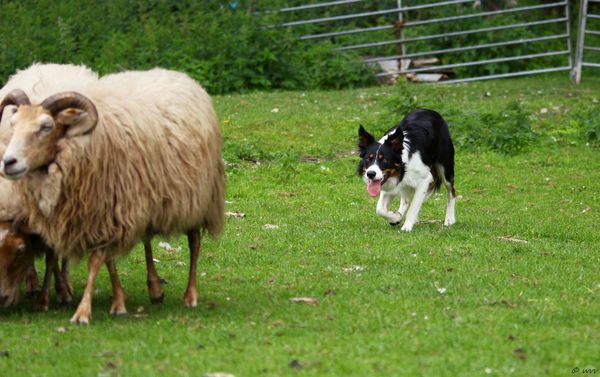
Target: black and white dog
x,y
411,159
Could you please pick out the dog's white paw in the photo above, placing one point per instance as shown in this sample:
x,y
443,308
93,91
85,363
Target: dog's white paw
x,y
394,218
449,222
407,227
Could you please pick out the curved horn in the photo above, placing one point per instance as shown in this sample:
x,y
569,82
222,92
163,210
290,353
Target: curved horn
x,y
15,97
60,101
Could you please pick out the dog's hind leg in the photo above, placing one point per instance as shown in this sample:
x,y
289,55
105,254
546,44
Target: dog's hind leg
x,y
447,175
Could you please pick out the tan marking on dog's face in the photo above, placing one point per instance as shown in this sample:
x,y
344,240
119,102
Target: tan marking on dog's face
x,y
15,261
391,173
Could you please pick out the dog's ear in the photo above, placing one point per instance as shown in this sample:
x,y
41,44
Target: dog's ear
x,y
364,138
396,141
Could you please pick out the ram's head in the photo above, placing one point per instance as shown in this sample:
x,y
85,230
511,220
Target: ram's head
x,y
37,129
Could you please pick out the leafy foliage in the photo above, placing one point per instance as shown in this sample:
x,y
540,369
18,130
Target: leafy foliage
x,y
227,50
507,129
587,122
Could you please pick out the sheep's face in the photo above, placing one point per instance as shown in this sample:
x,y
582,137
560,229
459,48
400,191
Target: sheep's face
x,y
15,261
33,141
35,136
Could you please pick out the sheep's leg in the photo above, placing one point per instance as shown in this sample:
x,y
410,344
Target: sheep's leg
x,y
63,292
83,314
191,294
118,299
44,298
32,284
156,293
66,276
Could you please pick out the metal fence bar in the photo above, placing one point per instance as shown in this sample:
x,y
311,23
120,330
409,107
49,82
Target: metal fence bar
x,y
452,34
505,75
484,14
400,33
592,32
477,62
346,32
592,48
596,65
418,23
467,48
569,35
576,71
319,5
457,14
373,13
593,16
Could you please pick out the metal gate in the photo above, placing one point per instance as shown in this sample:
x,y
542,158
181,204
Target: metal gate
x,y
556,43
584,30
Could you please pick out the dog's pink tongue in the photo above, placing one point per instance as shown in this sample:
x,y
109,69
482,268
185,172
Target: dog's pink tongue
x,y
374,187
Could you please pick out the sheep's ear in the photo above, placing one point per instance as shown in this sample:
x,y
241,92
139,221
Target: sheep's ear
x,y
364,138
75,120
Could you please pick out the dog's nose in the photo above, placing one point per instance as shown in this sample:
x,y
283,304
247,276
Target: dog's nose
x,y
371,174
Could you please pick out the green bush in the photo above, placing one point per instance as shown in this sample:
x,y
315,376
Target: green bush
x,y
587,121
508,130
227,50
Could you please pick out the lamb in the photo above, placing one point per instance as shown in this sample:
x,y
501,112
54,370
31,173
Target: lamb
x,y
17,247
134,155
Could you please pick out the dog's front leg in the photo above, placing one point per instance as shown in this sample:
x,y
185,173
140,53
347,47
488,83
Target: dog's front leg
x,y
403,202
382,209
415,205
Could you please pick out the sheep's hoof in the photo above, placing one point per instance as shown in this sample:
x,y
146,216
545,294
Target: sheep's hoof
x,y
81,318
191,298
157,300
118,308
118,311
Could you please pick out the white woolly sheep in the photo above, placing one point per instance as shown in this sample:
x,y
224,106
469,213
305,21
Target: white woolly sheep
x,y
18,247
134,155
39,81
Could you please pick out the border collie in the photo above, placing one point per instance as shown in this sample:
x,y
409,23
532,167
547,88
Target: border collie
x,y
413,158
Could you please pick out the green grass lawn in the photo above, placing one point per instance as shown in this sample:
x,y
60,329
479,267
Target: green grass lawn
x,y
470,300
